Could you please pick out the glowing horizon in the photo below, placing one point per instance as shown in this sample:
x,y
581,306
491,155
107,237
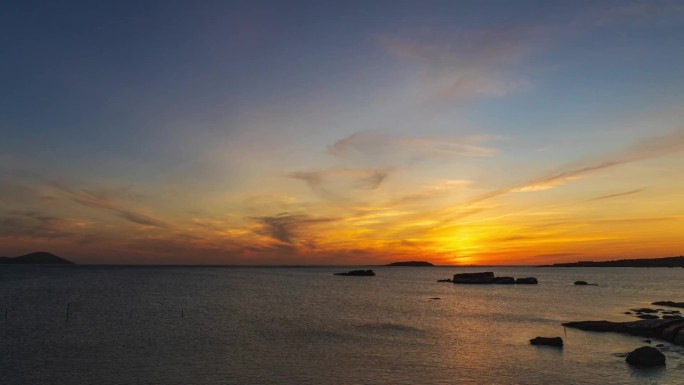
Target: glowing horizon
x,y
228,133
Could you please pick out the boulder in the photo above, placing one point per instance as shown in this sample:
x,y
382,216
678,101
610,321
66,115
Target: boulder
x,y
647,316
474,278
549,341
504,280
527,281
646,356
358,273
671,316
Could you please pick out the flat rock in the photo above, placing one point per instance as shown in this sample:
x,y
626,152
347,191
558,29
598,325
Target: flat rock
x,y
644,310
669,303
666,329
527,281
474,278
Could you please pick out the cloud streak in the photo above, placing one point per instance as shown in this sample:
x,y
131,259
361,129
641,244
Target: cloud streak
x,y
647,148
333,183
378,148
101,201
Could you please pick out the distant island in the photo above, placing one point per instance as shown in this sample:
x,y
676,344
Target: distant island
x,y
655,262
410,263
37,258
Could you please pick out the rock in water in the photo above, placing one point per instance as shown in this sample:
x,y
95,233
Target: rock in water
x,y
646,356
474,278
645,310
504,280
669,303
580,283
549,341
358,273
526,281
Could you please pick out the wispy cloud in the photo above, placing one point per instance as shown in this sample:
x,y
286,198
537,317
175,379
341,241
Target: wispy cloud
x,y
102,201
286,227
38,225
378,148
470,63
334,183
644,149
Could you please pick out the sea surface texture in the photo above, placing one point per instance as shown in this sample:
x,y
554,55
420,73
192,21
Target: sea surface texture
x,y
214,325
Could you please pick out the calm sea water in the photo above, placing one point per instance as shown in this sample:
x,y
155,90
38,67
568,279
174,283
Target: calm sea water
x,y
196,325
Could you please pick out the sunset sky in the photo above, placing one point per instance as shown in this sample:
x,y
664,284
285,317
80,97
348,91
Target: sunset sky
x,y
458,132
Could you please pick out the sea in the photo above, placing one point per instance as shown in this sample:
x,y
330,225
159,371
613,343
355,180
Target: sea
x,y
303,325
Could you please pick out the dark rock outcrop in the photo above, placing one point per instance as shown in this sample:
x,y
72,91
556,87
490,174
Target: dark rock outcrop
x,y
37,258
358,273
646,356
645,310
669,303
474,278
411,263
488,278
444,280
584,283
671,330
647,316
549,341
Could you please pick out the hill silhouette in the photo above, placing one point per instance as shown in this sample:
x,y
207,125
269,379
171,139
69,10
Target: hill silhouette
x,y
654,262
37,258
410,263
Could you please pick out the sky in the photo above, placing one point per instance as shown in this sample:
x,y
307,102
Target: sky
x,y
342,132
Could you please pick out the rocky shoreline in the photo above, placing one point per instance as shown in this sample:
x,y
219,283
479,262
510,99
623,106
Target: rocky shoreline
x,y
668,327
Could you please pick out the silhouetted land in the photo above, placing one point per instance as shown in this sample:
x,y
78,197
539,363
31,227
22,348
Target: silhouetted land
x,y
37,258
655,262
410,263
